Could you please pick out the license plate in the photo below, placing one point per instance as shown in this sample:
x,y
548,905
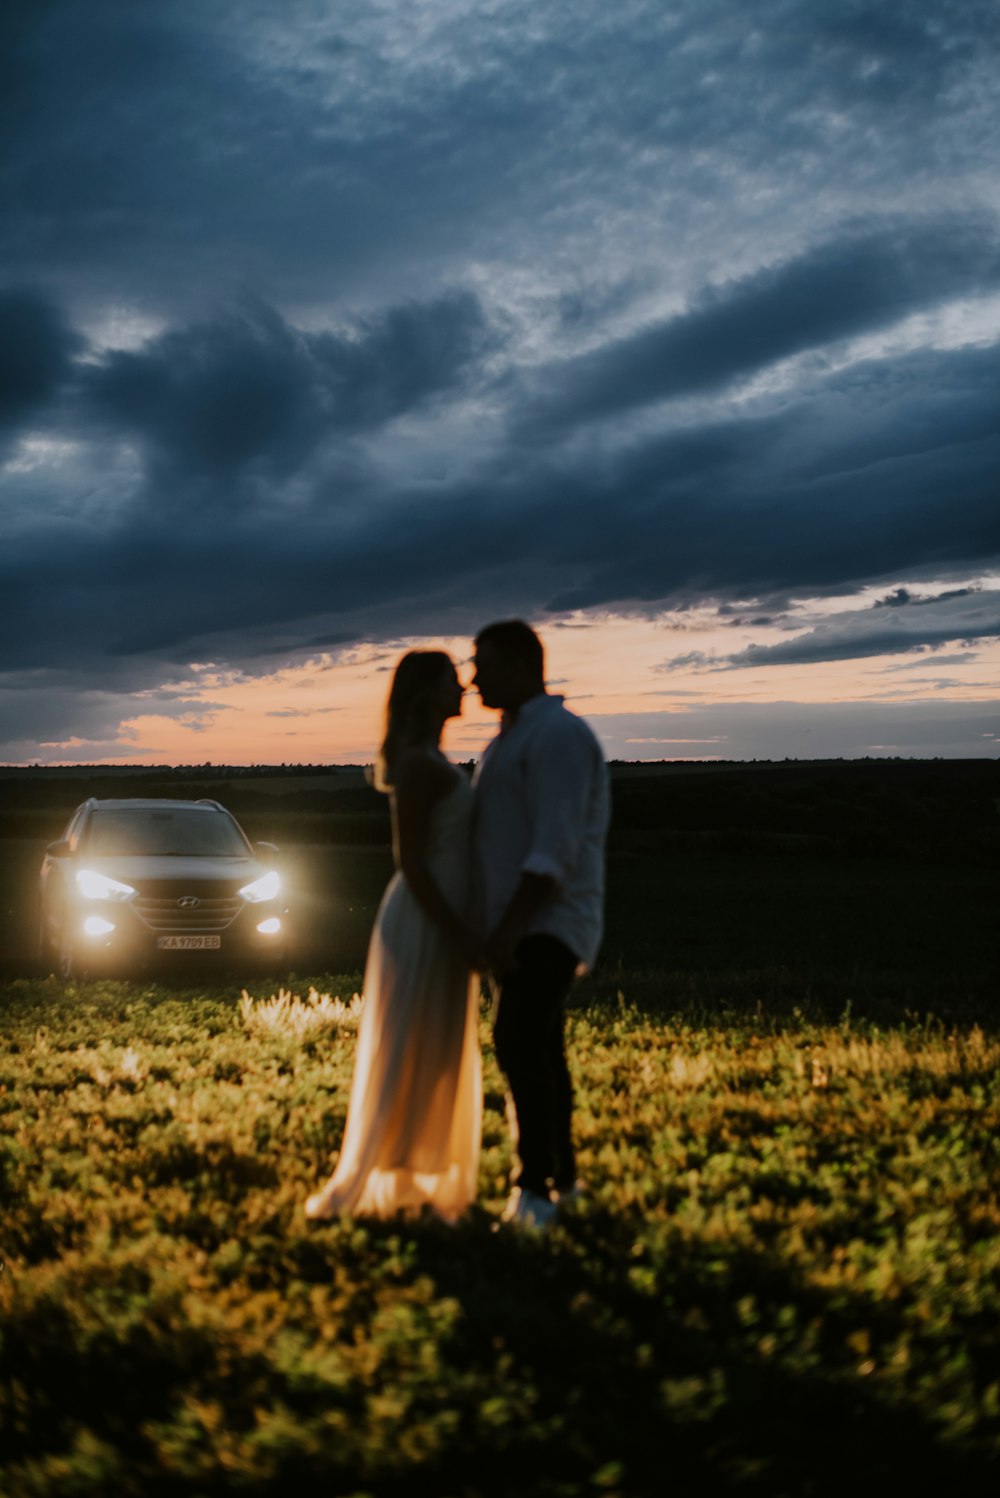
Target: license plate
x,y
188,943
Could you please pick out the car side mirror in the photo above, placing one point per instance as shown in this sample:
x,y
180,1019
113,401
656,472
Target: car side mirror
x,y
269,848
59,849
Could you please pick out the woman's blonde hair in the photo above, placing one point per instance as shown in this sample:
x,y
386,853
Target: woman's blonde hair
x,y
411,710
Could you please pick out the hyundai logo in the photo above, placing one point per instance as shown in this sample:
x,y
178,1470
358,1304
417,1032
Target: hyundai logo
x,y
188,902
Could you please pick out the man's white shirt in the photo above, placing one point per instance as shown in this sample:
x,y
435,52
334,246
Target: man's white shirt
x,y
542,807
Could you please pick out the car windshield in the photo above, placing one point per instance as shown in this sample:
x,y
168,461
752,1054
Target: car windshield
x,y
173,830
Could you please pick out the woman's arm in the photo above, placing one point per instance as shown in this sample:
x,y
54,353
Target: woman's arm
x,y
422,779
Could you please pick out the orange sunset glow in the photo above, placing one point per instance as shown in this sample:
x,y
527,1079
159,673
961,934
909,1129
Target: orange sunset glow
x,y
328,709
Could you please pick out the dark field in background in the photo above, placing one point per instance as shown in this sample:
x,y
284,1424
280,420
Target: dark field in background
x,y
862,882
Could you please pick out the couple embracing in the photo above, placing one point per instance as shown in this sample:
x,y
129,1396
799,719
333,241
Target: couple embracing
x,y
503,875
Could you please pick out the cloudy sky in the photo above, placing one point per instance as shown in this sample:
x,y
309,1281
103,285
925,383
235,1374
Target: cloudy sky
x,y
328,329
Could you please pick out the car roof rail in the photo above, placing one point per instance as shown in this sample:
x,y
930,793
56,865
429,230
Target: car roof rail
x,y
207,801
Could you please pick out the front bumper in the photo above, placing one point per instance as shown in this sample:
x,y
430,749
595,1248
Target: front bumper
x,y
143,932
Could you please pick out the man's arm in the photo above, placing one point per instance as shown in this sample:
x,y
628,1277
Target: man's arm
x,y
531,896
558,786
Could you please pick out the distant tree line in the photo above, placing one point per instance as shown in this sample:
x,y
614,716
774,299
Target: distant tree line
x,y
913,808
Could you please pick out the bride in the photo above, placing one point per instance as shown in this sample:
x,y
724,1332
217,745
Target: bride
x,y
413,1121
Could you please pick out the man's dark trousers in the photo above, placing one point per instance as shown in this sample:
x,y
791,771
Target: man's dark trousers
x,y
528,1033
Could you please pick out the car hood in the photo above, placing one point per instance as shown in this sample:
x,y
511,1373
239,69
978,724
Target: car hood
x,y
135,868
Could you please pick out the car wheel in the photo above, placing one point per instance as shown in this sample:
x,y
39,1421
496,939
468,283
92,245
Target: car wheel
x,y
48,946
43,946
68,962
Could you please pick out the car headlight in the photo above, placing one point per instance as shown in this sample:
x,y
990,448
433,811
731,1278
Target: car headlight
x,y
93,886
264,888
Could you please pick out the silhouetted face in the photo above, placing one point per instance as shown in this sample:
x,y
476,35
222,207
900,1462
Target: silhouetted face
x,y
499,680
450,692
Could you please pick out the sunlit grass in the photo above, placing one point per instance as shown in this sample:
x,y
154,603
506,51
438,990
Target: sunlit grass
x,y
791,1229
286,1013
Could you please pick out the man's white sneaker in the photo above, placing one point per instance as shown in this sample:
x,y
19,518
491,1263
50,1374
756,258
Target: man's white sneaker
x,y
571,1194
527,1209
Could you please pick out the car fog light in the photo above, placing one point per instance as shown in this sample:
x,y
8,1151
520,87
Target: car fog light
x,y
96,925
270,926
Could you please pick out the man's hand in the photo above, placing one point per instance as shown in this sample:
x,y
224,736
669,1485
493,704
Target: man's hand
x,y
531,896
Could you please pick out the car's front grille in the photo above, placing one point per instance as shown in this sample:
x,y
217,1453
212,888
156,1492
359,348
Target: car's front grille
x,y
170,914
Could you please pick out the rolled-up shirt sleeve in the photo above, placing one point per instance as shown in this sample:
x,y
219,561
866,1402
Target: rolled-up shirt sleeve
x,y
559,782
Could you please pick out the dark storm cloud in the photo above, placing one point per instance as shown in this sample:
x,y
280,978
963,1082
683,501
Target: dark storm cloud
x,y
902,597
832,292
36,350
962,615
401,262
248,387
901,624
37,715
817,646
958,657
886,469
889,466
162,147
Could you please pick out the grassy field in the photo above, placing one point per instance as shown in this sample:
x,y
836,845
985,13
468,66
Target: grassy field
x,y
785,1279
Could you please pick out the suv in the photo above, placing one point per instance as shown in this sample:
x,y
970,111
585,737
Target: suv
x,y
134,880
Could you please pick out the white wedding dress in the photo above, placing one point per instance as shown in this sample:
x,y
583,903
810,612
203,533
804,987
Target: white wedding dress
x,y
415,1112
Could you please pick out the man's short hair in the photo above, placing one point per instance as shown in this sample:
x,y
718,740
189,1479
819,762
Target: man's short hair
x,y
516,641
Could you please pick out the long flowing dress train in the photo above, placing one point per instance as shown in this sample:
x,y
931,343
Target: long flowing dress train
x,y
415,1112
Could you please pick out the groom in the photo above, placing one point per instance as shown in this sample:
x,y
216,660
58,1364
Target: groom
x,y
541,821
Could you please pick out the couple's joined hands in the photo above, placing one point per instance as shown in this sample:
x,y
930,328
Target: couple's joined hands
x,y
501,953
494,955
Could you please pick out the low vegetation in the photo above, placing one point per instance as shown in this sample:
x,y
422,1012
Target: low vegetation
x,y
785,1278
